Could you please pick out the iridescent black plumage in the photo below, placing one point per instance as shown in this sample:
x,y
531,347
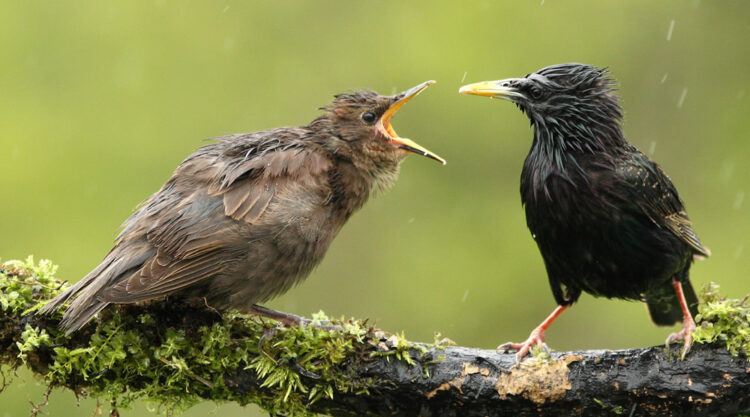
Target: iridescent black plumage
x,y
607,219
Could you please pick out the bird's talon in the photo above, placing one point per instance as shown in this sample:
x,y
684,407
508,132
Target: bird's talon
x,y
524,348
688,326
505,347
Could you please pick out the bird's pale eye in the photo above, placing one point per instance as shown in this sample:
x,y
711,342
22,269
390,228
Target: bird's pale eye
x,y
369,117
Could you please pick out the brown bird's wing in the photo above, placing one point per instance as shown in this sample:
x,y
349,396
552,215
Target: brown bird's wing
x,y
204,231
654,193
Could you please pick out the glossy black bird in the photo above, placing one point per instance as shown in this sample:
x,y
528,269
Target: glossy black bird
x,y
607,219
244,219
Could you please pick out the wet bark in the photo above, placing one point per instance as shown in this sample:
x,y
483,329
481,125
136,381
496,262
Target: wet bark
x,y
461,381
472,382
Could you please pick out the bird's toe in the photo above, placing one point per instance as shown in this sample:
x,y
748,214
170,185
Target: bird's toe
x,y
523,349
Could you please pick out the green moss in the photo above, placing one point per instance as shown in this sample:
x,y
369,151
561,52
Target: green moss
x,y
23,283
541,353
175,360
128,355
611,409
723,320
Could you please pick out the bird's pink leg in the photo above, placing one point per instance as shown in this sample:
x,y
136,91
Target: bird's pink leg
x,y
535,338
688,324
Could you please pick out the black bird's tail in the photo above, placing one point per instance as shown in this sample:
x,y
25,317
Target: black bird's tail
x,y
664,306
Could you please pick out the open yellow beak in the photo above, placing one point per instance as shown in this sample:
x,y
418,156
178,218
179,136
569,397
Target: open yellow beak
x,y
384,124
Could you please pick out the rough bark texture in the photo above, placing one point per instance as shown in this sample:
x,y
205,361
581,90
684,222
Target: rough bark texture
x,y
474,382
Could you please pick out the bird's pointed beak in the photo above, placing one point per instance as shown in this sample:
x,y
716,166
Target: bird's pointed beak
x,y
384,124
500,88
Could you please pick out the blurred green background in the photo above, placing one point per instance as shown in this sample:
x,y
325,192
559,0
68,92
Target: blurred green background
x,y
100,101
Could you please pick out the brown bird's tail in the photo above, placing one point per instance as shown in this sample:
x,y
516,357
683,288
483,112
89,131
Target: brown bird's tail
x,y
86,303
664,306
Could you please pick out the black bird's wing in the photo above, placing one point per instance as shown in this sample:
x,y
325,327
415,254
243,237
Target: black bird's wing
x,y
653,191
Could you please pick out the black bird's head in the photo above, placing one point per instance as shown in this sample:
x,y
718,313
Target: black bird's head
x,y
360,127
570,104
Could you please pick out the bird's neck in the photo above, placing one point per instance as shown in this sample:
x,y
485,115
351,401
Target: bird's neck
x,y
353,184
579,135
564,149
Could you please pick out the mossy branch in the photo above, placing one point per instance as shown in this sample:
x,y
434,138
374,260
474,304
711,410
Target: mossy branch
x,y
178,355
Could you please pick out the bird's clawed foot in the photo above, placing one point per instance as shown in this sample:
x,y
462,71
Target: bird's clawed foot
x,y
688,325
535,338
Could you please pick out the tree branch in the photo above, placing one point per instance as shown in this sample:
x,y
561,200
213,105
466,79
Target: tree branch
x,y
181,354
637,382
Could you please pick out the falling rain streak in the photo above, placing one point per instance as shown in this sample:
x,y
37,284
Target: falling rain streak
x,y
738,200
671,28
682,98
651,148
664,78
727,171
463,78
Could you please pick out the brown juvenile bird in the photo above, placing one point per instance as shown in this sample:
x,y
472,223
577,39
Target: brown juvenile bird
x,y
244,219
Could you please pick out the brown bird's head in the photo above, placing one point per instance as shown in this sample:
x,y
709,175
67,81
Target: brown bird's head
x,y
360,129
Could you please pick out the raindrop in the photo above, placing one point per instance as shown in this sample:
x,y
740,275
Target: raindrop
x,y
393,90
727,171
651,148
738,252
664,78
466,295
542,3
411,220
225,9
738,199
228,44
463,78
682,98
671,28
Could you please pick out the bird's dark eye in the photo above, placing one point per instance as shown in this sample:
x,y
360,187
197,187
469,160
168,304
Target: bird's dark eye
x,y
535,92
369,117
